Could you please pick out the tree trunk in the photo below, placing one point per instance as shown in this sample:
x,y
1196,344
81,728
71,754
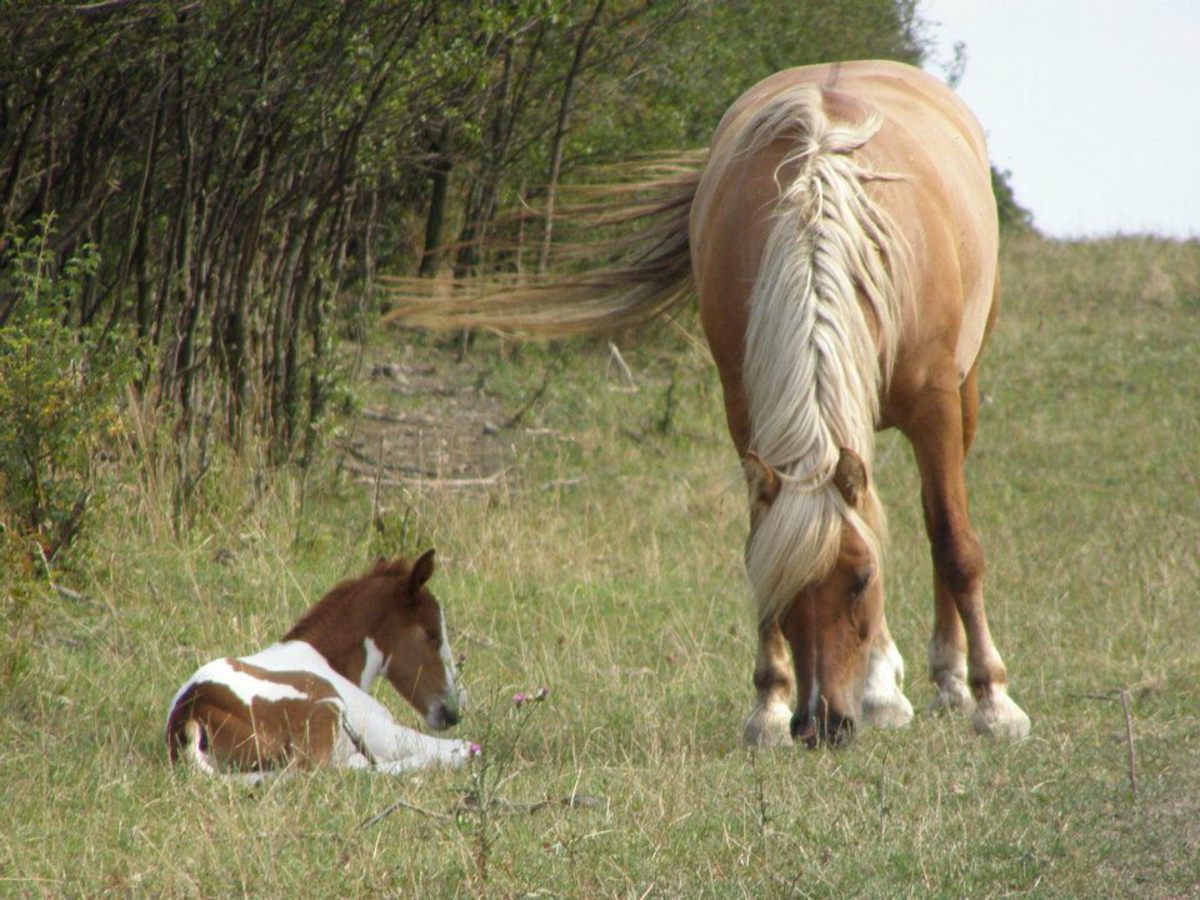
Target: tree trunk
x,y
560,132
434,224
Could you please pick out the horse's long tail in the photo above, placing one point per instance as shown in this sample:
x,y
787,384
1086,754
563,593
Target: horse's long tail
x,y
610,283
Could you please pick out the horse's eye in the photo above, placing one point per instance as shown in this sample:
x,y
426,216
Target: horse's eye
x,y
860,578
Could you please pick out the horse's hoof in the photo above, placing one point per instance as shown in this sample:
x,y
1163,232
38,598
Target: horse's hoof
x,y
952,696
894,712
884,704
769,726
999,717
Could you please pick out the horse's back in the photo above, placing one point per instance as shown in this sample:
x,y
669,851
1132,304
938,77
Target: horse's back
x,y
933,184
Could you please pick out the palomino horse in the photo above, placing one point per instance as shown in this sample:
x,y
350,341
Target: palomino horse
x,y
842,237
304,701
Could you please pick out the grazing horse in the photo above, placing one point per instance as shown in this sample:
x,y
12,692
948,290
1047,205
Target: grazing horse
x,y
841,235
304,701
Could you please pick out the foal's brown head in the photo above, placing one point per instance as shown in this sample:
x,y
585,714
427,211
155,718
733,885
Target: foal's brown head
x,y
833,619
417,658
389,623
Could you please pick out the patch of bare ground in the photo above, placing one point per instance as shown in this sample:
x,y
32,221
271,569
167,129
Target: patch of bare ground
x,y
428,421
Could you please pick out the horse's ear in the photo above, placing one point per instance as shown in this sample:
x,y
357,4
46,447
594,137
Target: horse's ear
x,y
850,477
422,571
761,480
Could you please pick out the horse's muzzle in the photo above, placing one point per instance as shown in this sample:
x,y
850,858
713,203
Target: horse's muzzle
x,y
831,729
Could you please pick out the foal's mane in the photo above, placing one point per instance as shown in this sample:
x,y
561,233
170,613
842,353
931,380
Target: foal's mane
x,y
329,615
813,372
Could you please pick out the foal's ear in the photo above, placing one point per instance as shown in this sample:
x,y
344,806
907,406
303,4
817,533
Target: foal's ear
x,y
422,571
761,480
850,477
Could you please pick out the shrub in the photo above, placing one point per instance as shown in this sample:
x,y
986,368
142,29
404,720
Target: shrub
x,y
60,388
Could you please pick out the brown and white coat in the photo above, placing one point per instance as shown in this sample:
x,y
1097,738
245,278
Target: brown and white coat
x,y
304,701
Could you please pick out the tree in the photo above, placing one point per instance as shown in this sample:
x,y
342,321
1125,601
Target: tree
x,y
244,169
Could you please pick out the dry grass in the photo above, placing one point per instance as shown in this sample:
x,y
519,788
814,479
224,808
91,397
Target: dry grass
x,y
605,564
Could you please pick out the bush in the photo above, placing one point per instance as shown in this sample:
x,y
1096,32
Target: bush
x,y
60,388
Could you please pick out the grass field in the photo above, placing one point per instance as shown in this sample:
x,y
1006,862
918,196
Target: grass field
x,y
605,564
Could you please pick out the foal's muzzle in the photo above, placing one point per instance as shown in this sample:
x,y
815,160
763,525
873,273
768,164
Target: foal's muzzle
x,y
443,715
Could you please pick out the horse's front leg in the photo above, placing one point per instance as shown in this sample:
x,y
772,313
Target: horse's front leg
x,y
884,704
939,430
770,723
372,739
395,748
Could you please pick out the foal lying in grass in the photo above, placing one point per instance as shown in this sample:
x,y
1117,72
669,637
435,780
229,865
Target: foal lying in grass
x,y
304,701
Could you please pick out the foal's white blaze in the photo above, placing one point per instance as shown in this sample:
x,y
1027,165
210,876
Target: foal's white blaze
x,y
452,689
372,665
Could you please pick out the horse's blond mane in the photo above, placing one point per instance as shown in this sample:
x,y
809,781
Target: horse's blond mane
x,y
813,371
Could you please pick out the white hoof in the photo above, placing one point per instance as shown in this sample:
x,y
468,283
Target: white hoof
x,y
769,725
894,712
999,717
953,696
884,704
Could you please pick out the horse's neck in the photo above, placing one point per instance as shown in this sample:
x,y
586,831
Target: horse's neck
x,y
357,659
340,626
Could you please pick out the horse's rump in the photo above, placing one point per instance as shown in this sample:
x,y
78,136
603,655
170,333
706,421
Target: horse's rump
x,y
214,728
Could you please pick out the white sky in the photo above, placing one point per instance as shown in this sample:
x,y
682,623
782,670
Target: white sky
x,y
1094,106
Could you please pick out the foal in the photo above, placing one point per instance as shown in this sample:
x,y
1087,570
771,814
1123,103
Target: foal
x,y
304,701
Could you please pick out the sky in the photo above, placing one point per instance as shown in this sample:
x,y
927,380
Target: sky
x,y
1092,105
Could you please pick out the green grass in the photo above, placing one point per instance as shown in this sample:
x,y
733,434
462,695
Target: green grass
x,y
606,565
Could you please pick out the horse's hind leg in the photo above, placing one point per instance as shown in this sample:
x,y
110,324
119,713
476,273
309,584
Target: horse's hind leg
x,y
770,723
939,429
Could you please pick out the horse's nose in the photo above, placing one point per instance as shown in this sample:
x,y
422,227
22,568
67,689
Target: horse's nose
x,y
837,730
832,729
804,728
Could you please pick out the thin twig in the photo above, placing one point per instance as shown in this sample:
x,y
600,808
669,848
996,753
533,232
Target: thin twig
x,y
615,356
559,483
1124,695
435,483
402,804
375,520
515,419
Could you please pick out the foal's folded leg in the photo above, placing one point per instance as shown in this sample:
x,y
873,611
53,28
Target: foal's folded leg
x,y
394,748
